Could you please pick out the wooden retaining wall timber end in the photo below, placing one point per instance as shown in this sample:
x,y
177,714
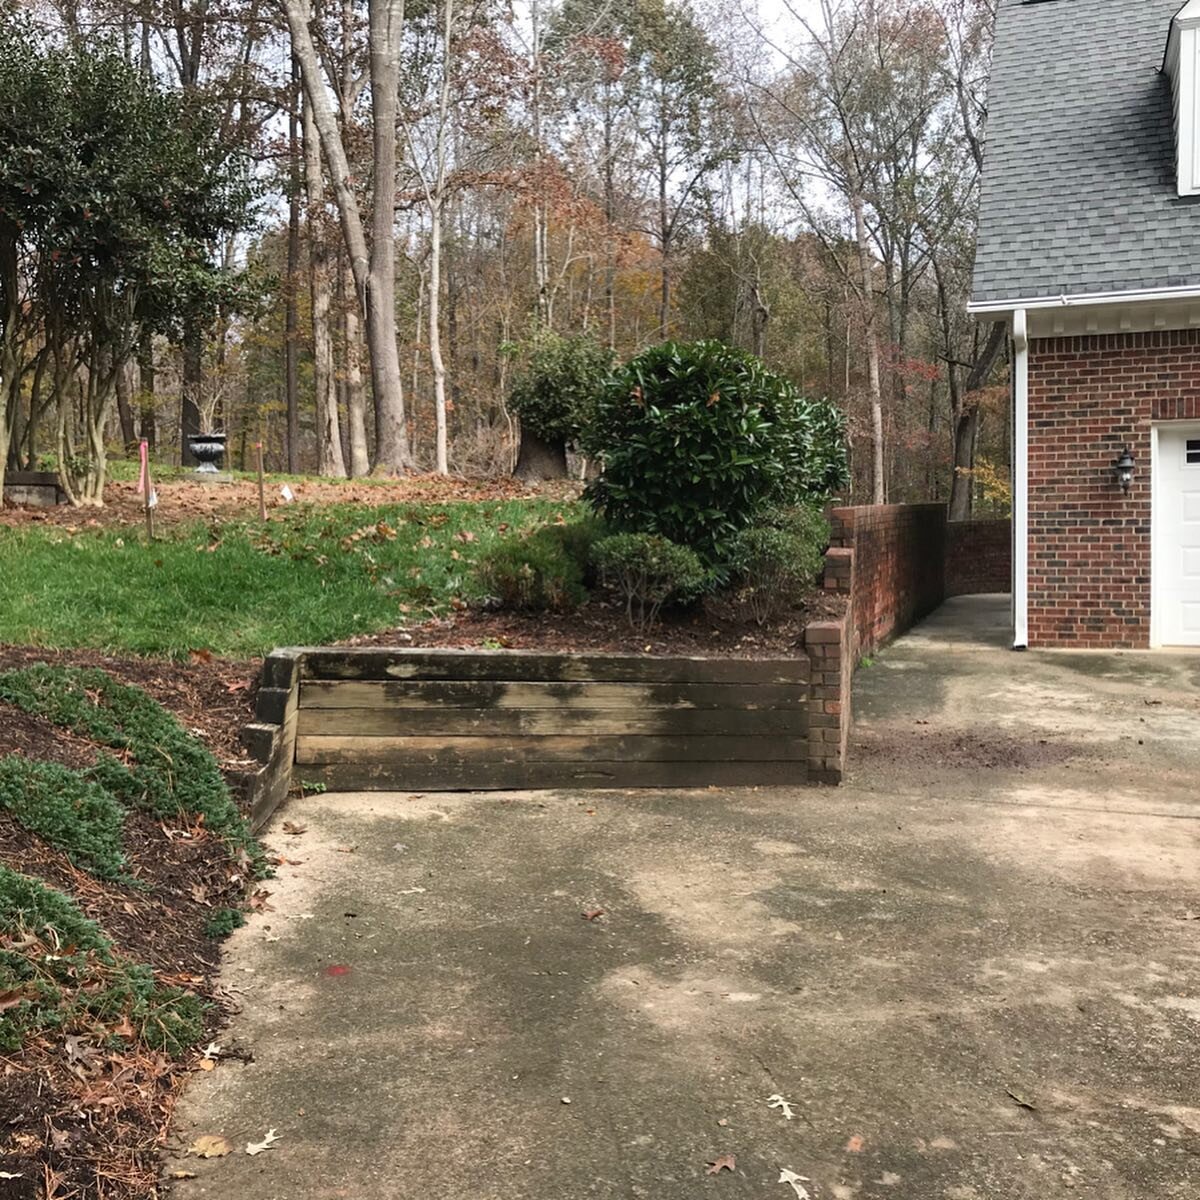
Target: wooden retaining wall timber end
x,y
368,718
271,736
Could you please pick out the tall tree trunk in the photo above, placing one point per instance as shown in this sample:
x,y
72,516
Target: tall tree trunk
x,y
435,337
375,269
878,487
125,410
664,243
329,438
189,391
392,450
541,265
437,209
291,320
356,404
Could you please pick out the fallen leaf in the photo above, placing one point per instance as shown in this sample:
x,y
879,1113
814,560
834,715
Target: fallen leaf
x,y
258,901
777,1101
181,1174
590,914
1021,1101
265,1144
725,1162
797,1182
294,827
12,998
209,1145
202,655
238,685
206,1064
855,1145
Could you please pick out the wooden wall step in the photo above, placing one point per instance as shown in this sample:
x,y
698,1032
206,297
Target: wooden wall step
x,y
382,776
456,722
630,748
486,694
536,667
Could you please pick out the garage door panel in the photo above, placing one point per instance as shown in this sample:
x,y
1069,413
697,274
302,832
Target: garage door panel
x,y
1177,536
1191,617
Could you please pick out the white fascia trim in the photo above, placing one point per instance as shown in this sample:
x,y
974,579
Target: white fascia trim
x,y
1142,296
1020,523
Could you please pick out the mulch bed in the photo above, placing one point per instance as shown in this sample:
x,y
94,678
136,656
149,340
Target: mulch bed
x,y
718,630
185,500
87,1128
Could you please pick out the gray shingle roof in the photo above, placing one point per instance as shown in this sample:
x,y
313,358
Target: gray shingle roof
x,y
1079,169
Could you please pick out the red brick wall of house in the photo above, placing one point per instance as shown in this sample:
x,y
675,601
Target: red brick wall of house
x,y
1089,543
978,557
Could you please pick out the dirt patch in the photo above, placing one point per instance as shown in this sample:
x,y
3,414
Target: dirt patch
x,y
719,630
926,745
185,500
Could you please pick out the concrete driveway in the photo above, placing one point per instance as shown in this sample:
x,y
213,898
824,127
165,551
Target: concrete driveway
x,y
973,971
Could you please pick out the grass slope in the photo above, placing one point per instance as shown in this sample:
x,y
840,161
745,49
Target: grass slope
x,y
310,575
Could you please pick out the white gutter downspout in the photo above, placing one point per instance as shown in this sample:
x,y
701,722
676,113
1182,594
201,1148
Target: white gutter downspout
x,y
1020,522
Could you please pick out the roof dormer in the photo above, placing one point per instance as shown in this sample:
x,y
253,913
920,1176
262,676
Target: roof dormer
x,y
1182,64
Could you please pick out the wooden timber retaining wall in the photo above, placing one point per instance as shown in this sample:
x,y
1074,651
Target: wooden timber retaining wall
x,y
366,718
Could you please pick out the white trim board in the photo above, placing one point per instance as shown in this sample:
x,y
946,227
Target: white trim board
x,y
1086,299
1081,320
1020,475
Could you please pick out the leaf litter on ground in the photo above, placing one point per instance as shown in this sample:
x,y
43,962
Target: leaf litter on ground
x,y
258,1147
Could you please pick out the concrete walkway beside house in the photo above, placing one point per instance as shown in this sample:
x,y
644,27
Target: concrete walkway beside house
x,y
972,972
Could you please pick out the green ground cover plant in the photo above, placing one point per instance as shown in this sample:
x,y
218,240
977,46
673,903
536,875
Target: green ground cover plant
x,y
310,575
63,807
66,975
165,770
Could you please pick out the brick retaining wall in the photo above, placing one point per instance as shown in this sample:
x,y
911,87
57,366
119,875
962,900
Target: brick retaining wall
x,y
895,563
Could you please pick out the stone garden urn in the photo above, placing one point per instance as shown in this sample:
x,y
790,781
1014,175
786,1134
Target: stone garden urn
x,y
208,449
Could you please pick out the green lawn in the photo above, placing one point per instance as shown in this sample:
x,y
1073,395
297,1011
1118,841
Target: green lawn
x,y
310,575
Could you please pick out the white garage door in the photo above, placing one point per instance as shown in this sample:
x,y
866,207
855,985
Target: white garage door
x,y
1177,521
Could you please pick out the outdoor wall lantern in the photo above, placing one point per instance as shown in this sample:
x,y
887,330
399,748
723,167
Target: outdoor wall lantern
x,y
1123,469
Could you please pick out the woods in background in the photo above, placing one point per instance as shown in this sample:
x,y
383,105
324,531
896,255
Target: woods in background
x,y
392,207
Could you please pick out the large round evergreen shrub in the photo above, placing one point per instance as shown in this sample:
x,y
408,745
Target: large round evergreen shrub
x,y
697,439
